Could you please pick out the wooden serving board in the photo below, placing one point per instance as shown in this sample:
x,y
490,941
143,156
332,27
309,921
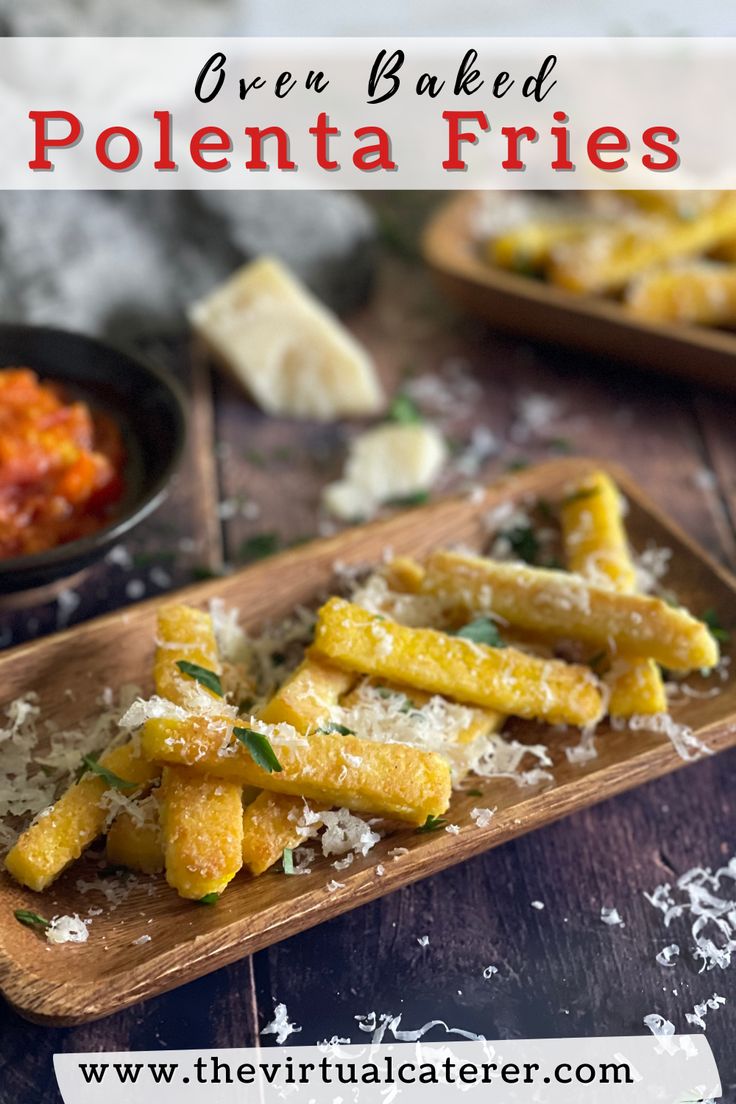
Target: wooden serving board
x,y
73,983
539,311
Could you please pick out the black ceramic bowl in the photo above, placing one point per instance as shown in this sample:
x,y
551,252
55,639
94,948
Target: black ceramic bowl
x,y
147,405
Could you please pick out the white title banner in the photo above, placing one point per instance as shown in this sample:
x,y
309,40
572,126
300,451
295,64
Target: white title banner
x,y
367,113
641,1069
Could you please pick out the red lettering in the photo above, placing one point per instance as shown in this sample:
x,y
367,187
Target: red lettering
x,y
454,162
43,142
210,140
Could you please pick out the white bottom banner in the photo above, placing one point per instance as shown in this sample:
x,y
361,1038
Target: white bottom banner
x,y
668,1070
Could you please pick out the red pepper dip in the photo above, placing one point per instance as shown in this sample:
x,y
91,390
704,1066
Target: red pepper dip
x,y
60,466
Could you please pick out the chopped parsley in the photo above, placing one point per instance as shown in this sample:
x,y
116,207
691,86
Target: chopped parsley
x,y
432,824
599,663
209,899
341,730
260,749
416,498
112,779
481,630
288,860
715,627
518,464
523,542
474,793
202,675
32,920
404,410
259,546
561,445
579,495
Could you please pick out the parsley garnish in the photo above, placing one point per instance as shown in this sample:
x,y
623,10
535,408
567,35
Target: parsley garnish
x,y
432,824
474,793
563,445
114,780
523,542
341,730
288,860
404,410
209,899
259,546
578,496
518,464
32,920
260,749
599,663
202,675
715,627
416,498
482,630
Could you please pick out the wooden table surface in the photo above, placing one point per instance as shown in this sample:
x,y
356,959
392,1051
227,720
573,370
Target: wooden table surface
x,y
561,971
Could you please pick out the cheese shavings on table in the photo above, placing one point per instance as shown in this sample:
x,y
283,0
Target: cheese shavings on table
x,y
363,716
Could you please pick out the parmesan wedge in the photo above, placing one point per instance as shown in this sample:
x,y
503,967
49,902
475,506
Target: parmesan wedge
x,y
285,347
501,679
391,780
596,546
385,464
561,605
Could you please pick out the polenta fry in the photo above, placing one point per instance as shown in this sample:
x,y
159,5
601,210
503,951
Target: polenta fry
x,y
136,842
304,701
391,780
201,820
60,834
270,826
503,679
596,547
610,257
202,826
700,293
559,604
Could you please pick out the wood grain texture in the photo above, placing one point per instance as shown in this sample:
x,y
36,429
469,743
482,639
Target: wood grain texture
x,y
108,973
539,311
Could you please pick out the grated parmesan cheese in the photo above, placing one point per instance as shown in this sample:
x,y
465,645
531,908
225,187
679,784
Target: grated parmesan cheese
x,y
280,1026
612,917
698,1014
67,929
482,817
658,1025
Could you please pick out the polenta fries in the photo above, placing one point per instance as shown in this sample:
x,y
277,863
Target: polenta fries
x,y
667,256
401,694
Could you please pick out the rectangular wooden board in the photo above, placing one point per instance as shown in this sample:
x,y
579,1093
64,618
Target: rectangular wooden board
x,y
73,983
539,311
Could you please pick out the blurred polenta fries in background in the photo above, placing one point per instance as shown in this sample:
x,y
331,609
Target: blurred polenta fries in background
x,y
668,256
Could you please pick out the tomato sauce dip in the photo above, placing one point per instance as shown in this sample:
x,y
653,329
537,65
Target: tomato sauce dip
x,y
61,466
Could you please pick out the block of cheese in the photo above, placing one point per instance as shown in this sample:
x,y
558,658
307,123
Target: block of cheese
x,y
290,352
386,464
